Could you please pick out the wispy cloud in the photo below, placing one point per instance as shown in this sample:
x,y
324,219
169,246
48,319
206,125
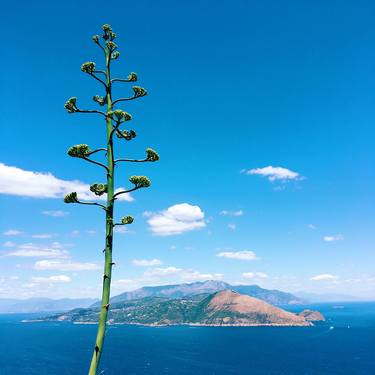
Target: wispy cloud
x,y
274,173
338,237
56,213
185,275
254,275
177,219
231,213
51,279
324,277
146,262
57,265
54,250
232,226
239,255
9,244
12,232
17,181
42,235
311,226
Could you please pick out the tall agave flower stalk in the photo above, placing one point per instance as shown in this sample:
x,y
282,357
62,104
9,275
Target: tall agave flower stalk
x,y
114,118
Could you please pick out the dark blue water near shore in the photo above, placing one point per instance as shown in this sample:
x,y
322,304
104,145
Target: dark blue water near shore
x,y
343,345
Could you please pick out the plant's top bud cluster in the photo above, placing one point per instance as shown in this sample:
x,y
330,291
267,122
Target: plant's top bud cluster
x,y
108,33
95,38
71,198
128,135
79,151
152,155
139,91
99,99
70,105
132,77
120,115
127,220
98,189
140,181
88,67
115,55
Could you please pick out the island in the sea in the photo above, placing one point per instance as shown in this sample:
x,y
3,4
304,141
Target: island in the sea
x,y
222,308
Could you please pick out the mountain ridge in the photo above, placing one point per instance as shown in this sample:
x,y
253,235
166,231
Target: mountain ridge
x,y
275,297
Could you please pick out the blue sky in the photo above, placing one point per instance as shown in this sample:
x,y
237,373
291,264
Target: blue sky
x,y
262,113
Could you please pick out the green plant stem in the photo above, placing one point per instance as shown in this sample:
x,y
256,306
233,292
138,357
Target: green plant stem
x,y
109,230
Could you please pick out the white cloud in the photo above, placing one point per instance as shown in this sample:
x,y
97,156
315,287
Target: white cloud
x,y
324,277
57,265
123,229
274,173
57,213
42,235
146,262
338,237
9,244
232,226
232,213
311,226
240,255
181,274
16,181
53,250
12,232
161,272
176,219
51,279
254,275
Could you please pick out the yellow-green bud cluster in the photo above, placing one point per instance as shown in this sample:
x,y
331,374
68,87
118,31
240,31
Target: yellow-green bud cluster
x,y
132,77
126,134
127,220
70,105
111,46
98,189
88,67
152,155
139,91
99,99
140,181
79,151
115,55
71,198
108,33
122,115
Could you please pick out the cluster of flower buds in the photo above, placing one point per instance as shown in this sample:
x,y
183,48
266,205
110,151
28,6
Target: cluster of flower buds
x,y
115,55
140,181
70,105
127,220
108,33
120,115
95,38
98,189
99,99
128,135
132,77
152,155
139,91
79,151
88,67
111,45
71,198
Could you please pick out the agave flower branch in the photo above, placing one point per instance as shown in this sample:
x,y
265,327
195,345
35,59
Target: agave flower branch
x,y
114,119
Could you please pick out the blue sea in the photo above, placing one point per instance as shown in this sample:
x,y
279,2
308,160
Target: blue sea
x,y
342,345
